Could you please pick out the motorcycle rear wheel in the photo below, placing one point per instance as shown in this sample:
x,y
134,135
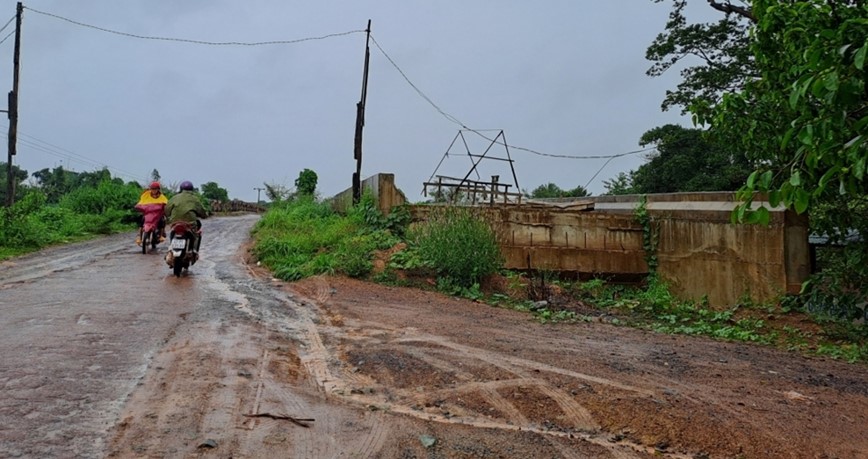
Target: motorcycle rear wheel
x,y
177,267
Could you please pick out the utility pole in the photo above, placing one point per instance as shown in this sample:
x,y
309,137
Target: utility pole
x,y
257,194
360,122
13,110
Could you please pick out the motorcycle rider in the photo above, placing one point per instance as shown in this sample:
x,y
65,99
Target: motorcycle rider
x,y
186,207
151,204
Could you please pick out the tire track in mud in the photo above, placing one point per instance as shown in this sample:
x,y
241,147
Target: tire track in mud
x,y
340,382
255,369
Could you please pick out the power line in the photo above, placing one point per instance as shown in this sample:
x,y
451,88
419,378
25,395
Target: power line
x,y
8,22
477,132
446,115
7,36
63,153
197,42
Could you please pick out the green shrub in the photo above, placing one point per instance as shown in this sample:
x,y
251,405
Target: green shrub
x,y
106,197
458,245
18,227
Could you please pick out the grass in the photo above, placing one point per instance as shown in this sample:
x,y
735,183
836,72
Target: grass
x,y
653,307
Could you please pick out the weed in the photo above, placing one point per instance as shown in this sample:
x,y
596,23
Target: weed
x,y
458,245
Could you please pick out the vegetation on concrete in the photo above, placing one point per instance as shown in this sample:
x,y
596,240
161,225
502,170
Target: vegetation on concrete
x,y
456,252
781,85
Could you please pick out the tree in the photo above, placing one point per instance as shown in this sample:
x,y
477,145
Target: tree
x,y
305,184
550,190
155,175
722,50
276,192
620,184
687,160
809,109
798,103
212,191
55,182
18,175
802,111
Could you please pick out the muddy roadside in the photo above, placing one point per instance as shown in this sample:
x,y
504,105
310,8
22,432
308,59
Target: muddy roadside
x,y
382,371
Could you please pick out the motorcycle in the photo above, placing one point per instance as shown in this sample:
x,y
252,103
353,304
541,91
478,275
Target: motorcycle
x,y
151,224
150,237
184,240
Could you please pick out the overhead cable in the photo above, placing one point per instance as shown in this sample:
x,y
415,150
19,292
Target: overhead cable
x,y
477,132
197,42
53,150
8,22
7,36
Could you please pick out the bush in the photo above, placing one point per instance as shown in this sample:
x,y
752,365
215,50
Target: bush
x,y
459,245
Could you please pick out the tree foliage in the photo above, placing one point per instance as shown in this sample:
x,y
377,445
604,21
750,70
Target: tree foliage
x,y
688,160
618,185
18,174
276,192
716,57
213,191
58,181
550,190
809,109
800,109
305,184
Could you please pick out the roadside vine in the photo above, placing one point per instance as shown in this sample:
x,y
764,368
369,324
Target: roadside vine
x,y
649,235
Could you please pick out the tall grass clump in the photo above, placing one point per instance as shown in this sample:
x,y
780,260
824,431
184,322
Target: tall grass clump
x,y
305,237
33,223
458,244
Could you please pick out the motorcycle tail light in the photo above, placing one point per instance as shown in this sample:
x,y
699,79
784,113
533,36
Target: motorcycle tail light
x,y
180,228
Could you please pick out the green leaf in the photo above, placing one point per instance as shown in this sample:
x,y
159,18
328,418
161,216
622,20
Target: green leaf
x,y
801,201
787,193
796,179
794,97
766,180
806,135
787,136
827,176
774,198
830,81
740,211
860,125
763,216
812,159
801,88
859,58
859,169
751,179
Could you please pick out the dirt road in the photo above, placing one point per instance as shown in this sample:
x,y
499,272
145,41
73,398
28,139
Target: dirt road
x,y
107,355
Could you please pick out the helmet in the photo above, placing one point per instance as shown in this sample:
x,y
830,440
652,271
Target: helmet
x,y
155,185
186,185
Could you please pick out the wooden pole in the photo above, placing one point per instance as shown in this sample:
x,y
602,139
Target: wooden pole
x,y
13,110
360,122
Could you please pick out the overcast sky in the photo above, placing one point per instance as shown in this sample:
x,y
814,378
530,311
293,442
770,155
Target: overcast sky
x,y
560,77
